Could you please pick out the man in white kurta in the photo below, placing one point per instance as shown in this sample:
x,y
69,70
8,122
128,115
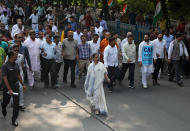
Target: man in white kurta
x,y
146,55
33,46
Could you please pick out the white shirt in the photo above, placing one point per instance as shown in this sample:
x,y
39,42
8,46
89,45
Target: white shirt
x,y
99,30
21,12
4,19
182,50
77,36
48,16
159,47
54,28
16,30
81,19
94,47
122,43
68,17
34,18
111,56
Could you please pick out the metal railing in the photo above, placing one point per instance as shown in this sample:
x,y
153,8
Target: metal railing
x,y
122,29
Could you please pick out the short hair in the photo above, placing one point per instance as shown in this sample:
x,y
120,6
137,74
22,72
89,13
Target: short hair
x,y
10,53
82,36
56,36
178,34
32,32
114,33
98,22
95,35
15,46
49,26
111,39
105,30
48,36
147,34
72,17
95,55
129,36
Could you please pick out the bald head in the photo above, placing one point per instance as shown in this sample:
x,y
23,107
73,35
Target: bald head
x,y
70,35
107,35
129,33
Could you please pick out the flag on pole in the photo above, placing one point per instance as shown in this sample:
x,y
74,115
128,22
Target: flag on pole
x,y
158,12
124,8
110,2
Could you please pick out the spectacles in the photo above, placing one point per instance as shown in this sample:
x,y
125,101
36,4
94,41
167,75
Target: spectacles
x,y
16,50
19,37
70,36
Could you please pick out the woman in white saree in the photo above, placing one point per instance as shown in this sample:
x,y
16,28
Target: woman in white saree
x,y
94,86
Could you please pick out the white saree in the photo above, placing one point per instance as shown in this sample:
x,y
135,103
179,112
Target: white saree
x,y
94,87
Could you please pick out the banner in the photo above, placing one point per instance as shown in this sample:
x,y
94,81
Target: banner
x,y
147,55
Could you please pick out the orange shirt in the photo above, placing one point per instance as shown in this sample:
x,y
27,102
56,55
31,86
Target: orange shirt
x,y
103,44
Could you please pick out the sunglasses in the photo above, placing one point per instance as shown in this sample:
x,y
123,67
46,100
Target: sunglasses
x,y
19,37
70,36
16,50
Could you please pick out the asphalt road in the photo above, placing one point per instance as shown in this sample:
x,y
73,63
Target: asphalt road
x,y
160,108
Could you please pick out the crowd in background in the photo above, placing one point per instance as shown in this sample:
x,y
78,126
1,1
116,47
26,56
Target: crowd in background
x,y
30,37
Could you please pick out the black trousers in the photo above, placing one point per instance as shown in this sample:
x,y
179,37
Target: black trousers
x,y
113,74
69,64
56,69
7,97
48,68
157,67
124,68
187,68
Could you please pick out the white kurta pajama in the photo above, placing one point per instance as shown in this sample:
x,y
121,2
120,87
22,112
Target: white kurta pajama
x,y
34,51
147,62
94,87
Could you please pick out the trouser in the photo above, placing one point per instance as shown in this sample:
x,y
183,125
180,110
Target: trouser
x,y
124,68
32,75
56,68
113,74
41,65
71,64
163,66
6,100
7,27
21,95
182,65
145,75
157,67
25,74
35,26
83,64
48,68
0,78
187,68
176,70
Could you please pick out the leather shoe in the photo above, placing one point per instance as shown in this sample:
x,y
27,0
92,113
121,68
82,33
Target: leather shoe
x,y
73,86
14,123
22,108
